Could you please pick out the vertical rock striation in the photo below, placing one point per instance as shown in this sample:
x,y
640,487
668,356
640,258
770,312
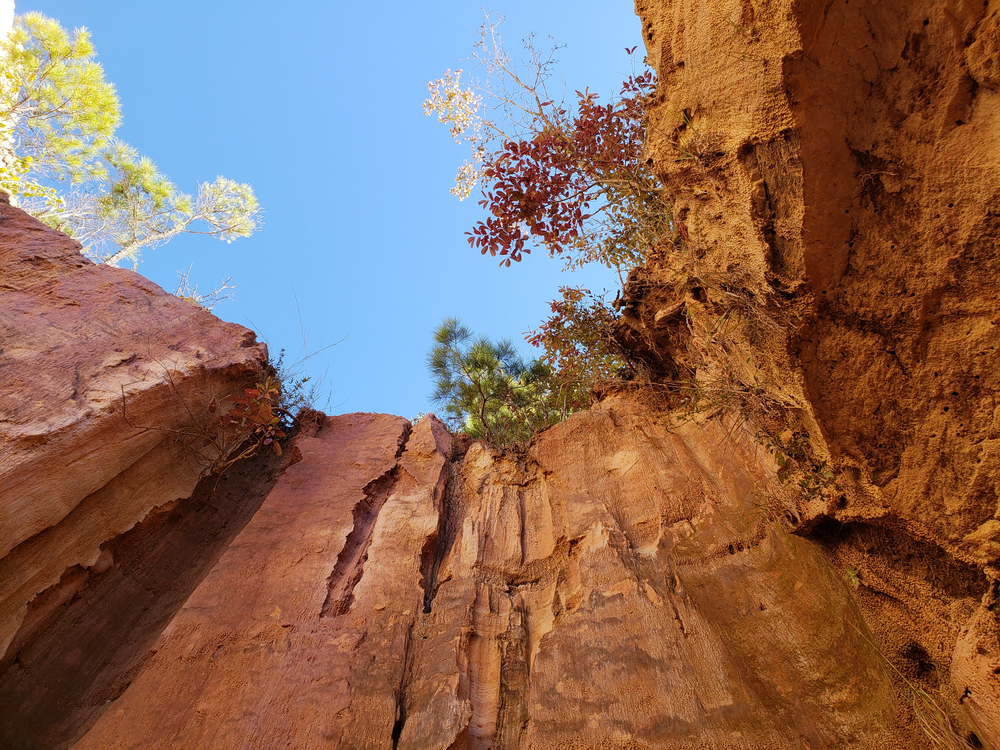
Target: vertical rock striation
x,y
617,584
300,634
837,168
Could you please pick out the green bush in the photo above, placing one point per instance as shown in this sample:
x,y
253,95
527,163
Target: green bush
x,y
487,389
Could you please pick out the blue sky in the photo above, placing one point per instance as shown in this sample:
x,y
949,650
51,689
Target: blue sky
x,y
318,106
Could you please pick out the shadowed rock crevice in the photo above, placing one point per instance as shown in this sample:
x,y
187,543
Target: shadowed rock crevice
x,y
62,675
351,561
514,713
438,547
430,557
404,686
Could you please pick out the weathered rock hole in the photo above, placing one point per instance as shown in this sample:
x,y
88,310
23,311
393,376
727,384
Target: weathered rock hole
x,y
918,656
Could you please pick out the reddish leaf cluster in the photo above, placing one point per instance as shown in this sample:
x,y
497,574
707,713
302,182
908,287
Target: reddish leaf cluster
x,y
549,186
576,340
256,414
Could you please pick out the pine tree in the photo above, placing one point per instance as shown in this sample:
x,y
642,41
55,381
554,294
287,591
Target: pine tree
x,y
487,389
56,110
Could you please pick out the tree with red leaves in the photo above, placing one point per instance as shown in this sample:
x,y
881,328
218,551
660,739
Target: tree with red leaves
x,y
578,345
569,178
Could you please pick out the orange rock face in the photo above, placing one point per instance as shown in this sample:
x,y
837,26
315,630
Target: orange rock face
x,y
837,169
806,556
617,585
299,634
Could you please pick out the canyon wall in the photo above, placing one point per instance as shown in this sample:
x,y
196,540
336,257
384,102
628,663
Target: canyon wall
x,y
800,553
106,388
617,584
626,580
836,169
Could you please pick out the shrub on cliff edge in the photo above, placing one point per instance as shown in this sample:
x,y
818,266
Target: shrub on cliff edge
x,y
569,177
488,391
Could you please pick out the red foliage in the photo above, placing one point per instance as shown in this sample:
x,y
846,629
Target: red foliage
x,y
548,187
256,413
576,340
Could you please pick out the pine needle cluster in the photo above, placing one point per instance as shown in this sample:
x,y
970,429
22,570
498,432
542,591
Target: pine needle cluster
x,y
487,389
60,161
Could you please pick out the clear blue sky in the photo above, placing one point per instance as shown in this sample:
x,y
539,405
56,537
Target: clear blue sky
x,y
318,106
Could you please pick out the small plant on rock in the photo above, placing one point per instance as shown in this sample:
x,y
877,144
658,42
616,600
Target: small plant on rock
x,y
256,415
795,460
254,420
852,577
578,343
188,291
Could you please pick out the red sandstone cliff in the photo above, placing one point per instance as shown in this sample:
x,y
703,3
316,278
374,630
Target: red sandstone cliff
x,y
80,484
616,585
631,579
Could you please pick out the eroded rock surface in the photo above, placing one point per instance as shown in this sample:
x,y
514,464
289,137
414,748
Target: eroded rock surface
x,y
628,580
85,638
617,585
299,635
76,472
836,167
